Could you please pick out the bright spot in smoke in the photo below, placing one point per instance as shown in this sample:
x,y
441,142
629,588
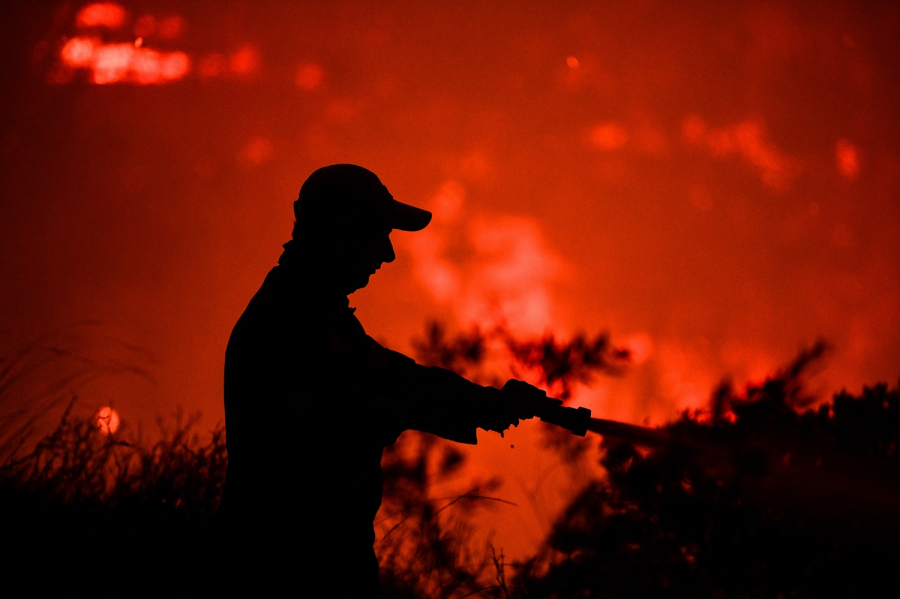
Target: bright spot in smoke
x,y
572,62
79,51
433,270
639,347
746,139
101,14
491,271
608,136
847,159
309,76
111,63
107,420
513,276
244,61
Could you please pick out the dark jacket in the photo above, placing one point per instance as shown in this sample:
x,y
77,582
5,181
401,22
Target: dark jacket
x,y
310,402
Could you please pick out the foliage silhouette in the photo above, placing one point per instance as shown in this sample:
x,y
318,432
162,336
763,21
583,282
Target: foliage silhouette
x,y
755,498
761,495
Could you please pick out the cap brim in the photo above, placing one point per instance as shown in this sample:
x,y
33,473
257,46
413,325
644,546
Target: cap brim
x,y
408,218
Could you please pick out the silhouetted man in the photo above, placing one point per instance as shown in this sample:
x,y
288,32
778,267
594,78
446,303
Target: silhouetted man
x,y
311,400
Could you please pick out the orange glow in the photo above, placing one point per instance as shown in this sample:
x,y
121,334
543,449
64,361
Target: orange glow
x,y
133,63
112,62
608,136
101,14
257,151
173,66
309,76
79,51
746,139
714,188
245,61
508,275
639,346
847,159
107,420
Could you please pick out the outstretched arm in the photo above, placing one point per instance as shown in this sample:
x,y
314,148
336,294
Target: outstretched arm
x,y
436,400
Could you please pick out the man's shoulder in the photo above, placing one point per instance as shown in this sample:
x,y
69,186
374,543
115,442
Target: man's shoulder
x,y
284,309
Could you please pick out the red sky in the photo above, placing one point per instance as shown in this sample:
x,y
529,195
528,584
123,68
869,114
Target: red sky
x,y
716,184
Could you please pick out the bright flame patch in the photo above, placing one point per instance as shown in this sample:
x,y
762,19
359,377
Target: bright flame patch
x,y
107,420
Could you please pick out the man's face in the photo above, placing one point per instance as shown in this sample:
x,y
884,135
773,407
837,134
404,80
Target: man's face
x,y
361,253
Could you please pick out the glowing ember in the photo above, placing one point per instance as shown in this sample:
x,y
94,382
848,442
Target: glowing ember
x,y
107,420
101,14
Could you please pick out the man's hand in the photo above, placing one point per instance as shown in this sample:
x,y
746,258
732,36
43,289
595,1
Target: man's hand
x,y
516,401
527,401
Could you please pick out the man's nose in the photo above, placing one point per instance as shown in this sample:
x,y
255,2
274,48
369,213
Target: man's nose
x,y
388,253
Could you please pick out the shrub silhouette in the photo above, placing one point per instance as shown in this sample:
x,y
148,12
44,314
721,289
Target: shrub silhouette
x,y
754,498
762,494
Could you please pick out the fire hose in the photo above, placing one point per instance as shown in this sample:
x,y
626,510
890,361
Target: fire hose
x,y
579,422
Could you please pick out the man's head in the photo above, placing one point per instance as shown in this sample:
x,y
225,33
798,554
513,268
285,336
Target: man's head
x,y
344,217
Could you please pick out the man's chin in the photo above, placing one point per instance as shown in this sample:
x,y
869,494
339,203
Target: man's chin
x,y
359,282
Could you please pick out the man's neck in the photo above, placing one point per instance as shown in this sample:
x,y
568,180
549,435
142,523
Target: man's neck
x,y
313,277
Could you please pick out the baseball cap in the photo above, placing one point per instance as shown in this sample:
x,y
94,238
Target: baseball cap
x,y
344,194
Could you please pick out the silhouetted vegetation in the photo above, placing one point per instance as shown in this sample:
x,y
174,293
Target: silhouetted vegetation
x,y
764,494
754,498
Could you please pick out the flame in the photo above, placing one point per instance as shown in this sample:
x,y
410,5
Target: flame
x,y
79,51
127,62
107,420
101,14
